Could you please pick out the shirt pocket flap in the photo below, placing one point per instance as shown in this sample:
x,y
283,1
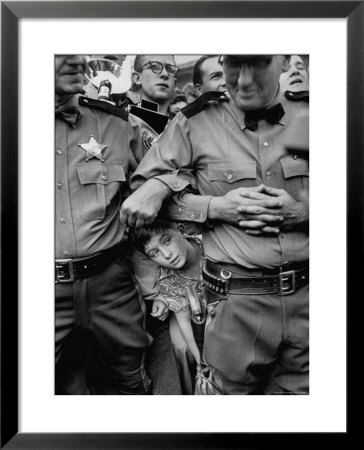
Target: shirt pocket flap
x,y
294,167
231,171
100,174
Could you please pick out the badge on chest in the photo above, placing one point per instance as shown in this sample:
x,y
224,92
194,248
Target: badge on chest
x,y
93,149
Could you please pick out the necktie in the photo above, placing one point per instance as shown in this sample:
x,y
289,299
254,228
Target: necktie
x,y
272,115
69,114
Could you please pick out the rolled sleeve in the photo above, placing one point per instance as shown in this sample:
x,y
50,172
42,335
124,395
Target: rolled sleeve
x,y
188,207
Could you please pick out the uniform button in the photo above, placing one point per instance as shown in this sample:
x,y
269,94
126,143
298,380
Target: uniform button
x,y
229,177
59,151
283,236
295,157
266,143
268,173
192,216
178,185
67,253
63,220
60,186
104,177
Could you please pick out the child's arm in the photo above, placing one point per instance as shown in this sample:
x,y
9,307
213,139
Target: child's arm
x,y
184,321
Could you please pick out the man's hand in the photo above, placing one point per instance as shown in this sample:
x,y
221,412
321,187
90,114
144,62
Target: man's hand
x,y
248,208
291,211
159,310
142,207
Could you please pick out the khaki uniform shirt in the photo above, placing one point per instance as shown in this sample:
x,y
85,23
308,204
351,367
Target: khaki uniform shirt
x,y
214,151
89,194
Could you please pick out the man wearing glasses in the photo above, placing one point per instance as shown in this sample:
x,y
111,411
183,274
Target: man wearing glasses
x,y
254,204
156,76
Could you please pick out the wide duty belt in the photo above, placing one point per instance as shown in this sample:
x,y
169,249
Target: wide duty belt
x,y
67,270
221,280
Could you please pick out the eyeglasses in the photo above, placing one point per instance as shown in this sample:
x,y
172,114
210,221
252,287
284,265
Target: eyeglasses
x,y
157,67
237,61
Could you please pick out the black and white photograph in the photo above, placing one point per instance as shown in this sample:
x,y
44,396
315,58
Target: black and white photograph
x,y
181,224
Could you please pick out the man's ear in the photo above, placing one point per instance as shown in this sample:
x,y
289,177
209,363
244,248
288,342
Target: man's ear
x,y
198,88
136,78
286,59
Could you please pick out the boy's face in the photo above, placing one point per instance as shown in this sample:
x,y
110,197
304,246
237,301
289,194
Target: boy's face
x,y
168,249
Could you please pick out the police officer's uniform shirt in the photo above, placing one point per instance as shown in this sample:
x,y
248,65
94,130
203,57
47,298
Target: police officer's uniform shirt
x,y
216,150
89,194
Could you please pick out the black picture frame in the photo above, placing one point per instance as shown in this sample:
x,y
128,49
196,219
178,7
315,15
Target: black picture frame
x,y
11,12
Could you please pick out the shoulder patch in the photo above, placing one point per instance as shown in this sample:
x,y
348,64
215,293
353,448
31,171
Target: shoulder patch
x,y
300,96
148,139
199,104
103,106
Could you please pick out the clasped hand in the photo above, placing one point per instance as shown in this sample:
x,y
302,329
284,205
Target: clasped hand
x,y
260,210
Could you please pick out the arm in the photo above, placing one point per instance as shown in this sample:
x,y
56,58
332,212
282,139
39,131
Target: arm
x,y
260,215
164,170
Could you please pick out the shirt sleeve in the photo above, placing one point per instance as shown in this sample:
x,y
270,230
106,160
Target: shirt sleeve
x,y
170,159
186,206
141,137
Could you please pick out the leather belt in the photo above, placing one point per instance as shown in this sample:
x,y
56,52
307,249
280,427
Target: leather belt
x,y
218,278
68,270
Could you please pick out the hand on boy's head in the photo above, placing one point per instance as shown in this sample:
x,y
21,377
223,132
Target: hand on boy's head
x,y
159,310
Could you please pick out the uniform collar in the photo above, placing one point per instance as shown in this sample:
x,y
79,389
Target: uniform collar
x,y
241,114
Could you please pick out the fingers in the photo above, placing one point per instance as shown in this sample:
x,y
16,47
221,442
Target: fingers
x,y
263,199
257,210
273,191
265,231
251,224
268,218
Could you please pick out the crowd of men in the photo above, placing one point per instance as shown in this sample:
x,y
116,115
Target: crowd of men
x,y
231,161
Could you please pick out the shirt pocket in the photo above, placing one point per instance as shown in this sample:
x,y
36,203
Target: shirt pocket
x,y
100,188
295,173
228,175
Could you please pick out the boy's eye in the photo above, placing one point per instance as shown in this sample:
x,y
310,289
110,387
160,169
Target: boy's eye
x,y
167,240
153,253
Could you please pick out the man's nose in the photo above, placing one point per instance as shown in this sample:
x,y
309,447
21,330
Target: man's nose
x,y
293,71
164,72
246,76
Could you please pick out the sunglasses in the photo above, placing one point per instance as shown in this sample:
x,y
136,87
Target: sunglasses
x,y
157,67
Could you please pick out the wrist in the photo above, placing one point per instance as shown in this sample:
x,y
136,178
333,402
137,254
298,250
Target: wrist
x,y
214,208
159,187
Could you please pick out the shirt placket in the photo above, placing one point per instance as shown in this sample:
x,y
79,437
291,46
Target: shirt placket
x,y
65,238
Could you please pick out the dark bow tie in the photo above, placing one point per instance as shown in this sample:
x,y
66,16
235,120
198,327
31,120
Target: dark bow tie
x,y
69,114
272,115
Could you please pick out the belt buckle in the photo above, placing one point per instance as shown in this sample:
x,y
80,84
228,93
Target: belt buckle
x,y
61,275
284,278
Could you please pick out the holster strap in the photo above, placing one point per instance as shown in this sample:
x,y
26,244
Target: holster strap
x,y
219,279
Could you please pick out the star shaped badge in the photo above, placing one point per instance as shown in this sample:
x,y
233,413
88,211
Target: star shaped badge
x,y
93,149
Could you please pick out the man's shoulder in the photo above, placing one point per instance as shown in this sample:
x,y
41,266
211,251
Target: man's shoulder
x,y
208,98
106,107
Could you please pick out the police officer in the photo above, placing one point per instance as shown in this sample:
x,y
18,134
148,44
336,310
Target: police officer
x,y
254,203
97,148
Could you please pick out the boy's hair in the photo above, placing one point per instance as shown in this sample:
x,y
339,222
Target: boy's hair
x,y
141,236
